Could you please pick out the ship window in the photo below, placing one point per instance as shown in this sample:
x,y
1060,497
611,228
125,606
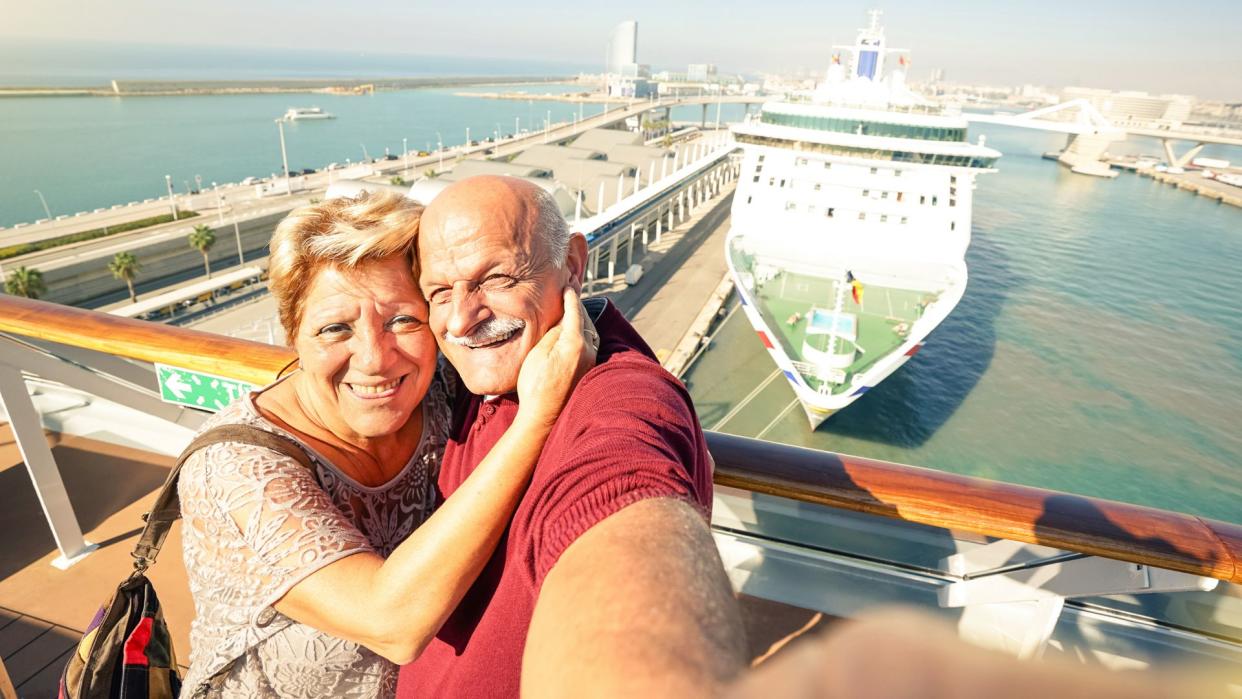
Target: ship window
x,y
952,202
952,190
883,218
922,198
866,192
782,183
862,215
829,212
818,186
771,181
900,195
874,170
748,199
790,206
761,158
827,166
884,195
756,178
800,161
758,169
933,201
952,225
952,179
904,220
896,173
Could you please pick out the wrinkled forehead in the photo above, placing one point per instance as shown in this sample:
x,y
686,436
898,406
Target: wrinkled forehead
x,y
460,238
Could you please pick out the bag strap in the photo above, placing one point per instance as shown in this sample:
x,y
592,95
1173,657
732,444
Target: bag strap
x,y
167,506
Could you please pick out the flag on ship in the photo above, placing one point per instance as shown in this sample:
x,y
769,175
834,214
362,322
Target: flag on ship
x,y
856,289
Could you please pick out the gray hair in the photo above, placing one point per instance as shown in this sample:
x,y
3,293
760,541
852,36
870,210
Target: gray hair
x,y
552,226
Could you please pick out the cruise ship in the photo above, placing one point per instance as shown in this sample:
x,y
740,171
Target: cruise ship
x,y
850,224
301,113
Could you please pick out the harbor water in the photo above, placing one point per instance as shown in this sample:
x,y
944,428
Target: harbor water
x,y
1097,350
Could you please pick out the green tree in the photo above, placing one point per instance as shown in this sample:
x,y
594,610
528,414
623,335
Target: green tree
x,y
125,266
397,180
25,281
430,173
201,240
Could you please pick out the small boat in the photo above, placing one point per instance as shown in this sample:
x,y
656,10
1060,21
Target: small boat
x,y
299,113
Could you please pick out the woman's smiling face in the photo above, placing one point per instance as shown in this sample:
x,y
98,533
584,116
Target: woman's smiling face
x,y
366,352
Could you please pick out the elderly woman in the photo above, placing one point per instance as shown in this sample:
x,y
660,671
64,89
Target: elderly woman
x,y
315,583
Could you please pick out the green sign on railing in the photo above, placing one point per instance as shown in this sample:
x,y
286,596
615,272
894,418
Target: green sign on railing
x,y
198,389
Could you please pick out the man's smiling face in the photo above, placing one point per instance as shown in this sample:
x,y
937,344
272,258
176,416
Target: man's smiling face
x,y
492,284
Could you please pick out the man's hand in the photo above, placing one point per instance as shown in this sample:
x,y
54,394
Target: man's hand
x,y
638,605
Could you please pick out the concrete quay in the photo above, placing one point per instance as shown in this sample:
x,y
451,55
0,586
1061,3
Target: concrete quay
x,y
1194,182
683,275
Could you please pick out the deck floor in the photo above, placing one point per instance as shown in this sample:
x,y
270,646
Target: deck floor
x,y
34,652
882,310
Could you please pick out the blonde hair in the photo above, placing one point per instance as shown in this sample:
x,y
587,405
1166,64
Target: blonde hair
x,y
344,233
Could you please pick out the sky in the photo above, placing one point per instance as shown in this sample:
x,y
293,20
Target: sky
x,y
1162,47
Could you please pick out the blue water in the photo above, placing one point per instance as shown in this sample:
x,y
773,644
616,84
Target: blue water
x,y
90,152
84,153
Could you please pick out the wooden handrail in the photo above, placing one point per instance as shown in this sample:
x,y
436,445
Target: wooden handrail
x,y
1021,513
225,356
1089,525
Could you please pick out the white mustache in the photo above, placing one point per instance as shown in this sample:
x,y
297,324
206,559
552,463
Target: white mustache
x,y
487,332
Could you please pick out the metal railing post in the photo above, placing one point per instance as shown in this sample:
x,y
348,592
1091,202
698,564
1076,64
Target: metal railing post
x,y
27,429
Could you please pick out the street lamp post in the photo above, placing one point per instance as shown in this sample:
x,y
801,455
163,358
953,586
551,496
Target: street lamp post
x,y
405,155
171,202
547,124
284,155
439,151
517,126
467,146
45,209
241,256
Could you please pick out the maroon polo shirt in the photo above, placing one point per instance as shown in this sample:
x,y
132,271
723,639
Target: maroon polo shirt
x,y
628,433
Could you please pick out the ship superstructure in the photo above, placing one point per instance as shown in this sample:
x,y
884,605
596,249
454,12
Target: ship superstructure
x,y
850,224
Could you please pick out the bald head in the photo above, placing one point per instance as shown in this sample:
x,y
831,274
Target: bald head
x,y
495,256
526,209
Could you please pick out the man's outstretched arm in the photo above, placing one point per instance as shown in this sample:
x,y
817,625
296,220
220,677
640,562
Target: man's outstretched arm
x,y
638,605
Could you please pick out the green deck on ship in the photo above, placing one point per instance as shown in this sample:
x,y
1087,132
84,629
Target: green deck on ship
x,y
883,312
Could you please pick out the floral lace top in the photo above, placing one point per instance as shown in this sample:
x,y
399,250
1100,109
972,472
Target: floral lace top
x,y
255,523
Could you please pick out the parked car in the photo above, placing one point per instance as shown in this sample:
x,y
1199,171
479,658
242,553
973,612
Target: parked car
x,y
389,156
308,171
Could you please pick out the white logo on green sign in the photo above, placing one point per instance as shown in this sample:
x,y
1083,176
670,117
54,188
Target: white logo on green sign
x,y
198,389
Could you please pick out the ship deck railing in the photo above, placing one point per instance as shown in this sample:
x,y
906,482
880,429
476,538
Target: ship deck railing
x,y
826,533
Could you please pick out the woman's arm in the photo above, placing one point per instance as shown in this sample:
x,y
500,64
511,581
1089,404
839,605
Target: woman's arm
x,y
396,606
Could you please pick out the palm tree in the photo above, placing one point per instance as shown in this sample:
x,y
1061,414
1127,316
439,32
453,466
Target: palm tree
x,y
201,240
125,266
25,281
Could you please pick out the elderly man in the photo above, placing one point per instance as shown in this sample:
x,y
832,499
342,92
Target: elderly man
x,y
608,581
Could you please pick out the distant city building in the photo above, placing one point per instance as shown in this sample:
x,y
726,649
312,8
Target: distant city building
x,y
630,86
1130,107
700,72
622,47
